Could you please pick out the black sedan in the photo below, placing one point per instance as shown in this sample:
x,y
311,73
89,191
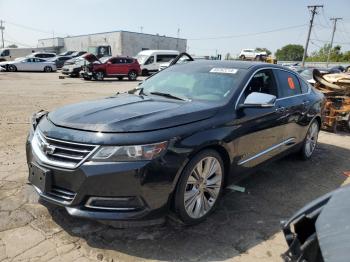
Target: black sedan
x,y
172,143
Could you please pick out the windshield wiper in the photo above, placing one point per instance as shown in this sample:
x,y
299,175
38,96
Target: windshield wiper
x,y
169,96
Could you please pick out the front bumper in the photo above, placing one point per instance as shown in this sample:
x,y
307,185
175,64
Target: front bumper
x,y
137,190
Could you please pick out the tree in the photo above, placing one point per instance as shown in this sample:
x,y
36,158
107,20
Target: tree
x,y
290,53
322,54
263,49
12,46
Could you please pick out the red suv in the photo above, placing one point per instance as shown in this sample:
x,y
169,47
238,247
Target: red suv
x,y
118,67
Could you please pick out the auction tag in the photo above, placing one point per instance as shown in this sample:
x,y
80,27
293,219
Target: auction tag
x,y
224,70
291,83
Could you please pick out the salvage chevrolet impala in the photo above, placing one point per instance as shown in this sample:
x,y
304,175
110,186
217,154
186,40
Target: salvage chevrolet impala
x,y
172,143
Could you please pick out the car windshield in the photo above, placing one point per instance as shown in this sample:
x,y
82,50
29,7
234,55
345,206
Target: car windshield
x,y
195,82
142,59
104,59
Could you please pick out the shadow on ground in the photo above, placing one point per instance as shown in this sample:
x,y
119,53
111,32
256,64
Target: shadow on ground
x,y
241,221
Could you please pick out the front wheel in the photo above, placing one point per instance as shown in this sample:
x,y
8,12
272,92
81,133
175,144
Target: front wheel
x,y
310,141
11,68
199,187
99,76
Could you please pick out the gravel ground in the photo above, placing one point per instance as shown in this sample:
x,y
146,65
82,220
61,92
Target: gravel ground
x,y
245,226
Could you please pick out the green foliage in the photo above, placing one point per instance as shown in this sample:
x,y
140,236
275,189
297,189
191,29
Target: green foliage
x,y
336,54
290,53
12,46
263,49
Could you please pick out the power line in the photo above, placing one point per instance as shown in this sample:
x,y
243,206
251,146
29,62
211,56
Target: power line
x,y
313,9
249,34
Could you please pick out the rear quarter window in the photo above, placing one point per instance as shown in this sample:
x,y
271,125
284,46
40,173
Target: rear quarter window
x,y
288,83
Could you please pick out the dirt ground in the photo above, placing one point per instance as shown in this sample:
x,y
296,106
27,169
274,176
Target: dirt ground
x,y
245,226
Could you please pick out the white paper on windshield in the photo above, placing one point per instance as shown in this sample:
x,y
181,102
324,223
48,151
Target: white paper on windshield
x,y
224,70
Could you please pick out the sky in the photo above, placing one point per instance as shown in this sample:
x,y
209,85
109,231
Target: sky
x,y
211,27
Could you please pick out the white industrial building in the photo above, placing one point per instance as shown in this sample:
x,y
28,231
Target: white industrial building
x,y
121,42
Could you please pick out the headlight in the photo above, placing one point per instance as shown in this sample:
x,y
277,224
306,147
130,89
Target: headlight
x,y
129,153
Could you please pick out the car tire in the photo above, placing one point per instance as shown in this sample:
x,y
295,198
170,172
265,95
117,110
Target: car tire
x,y
310,140
197,194
132,75
48,69
120,78
242,57
99,76
11,68
145,72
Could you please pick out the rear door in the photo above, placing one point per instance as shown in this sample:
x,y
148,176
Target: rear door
x,y
260,130
294,102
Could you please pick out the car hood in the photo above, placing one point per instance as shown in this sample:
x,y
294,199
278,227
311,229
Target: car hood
x,y
91,58
131,113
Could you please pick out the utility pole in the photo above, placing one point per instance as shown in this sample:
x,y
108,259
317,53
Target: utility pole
x,y
313,9
334,19
177,39
2,28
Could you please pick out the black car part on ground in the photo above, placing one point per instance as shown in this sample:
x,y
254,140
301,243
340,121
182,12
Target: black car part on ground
x,y
320,231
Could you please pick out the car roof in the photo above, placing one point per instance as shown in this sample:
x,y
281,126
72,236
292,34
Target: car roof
x,y
150,52
237,64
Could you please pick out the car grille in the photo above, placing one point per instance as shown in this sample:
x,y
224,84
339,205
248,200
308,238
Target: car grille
x,y
60,194
59,152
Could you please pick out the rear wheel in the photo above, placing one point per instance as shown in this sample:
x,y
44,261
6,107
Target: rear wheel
x,y
99,76
47,69
242,57
310,141
199,187
132,75
11,68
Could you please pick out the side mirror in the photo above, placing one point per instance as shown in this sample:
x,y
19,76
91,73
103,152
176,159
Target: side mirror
x,y
259,100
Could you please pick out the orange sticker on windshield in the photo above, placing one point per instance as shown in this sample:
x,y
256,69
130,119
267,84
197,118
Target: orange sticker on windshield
x,y
291,83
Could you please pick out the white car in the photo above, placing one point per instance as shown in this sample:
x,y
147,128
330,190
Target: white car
x,y
44,55
251,54
29,64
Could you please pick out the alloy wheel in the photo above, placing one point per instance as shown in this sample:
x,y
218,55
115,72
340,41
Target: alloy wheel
x,y
132,75
99,76
203,187
311,139
47,69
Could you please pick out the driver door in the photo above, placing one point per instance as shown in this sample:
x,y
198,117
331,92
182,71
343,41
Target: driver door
x,y
259,130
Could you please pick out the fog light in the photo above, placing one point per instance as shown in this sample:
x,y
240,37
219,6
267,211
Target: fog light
x,y
114,203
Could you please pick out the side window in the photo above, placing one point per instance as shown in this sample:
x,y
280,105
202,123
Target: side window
x,y
6,52
304,86
165,58
288,83
114,61
150,60
262,82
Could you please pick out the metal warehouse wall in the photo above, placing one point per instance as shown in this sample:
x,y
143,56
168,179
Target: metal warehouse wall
x,y
81,43
132,43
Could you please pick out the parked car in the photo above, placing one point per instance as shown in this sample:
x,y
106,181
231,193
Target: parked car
x,y
252,54
118,67
43,55
150,60
60,60
67,53
74,66
307,73
29,64
78,53
320,230
173,142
